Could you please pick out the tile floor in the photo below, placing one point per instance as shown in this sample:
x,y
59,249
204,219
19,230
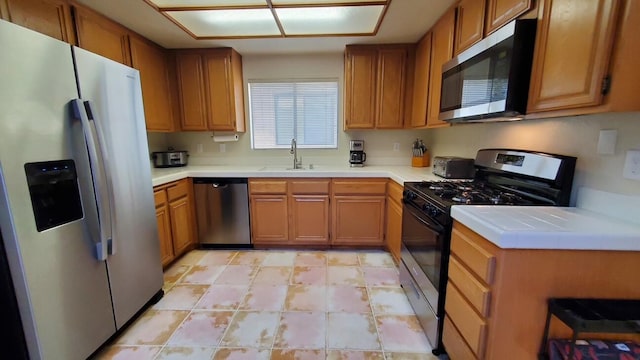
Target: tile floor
x,y
277,304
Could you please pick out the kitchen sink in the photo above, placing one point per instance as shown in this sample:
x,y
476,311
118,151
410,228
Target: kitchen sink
x,y
286,168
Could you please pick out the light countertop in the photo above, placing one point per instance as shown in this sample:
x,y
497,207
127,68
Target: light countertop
x,y
560,228
399,174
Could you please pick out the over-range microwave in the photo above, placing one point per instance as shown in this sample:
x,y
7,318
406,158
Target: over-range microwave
x,y
490,80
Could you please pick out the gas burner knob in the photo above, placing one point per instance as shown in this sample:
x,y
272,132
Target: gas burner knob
x,y
409,195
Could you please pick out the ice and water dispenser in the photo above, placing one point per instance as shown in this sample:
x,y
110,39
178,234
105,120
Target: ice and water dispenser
x,y
55,196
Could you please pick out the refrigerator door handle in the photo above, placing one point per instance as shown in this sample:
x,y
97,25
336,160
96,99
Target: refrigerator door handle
x,y
98,179
105,190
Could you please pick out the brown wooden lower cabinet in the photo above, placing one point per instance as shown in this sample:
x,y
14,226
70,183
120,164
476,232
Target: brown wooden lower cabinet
x,y
393,231
309,219
269,219
496,302
318,212
164,227
358,220
175,214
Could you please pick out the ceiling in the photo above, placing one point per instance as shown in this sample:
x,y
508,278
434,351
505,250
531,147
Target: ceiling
x,y
405,21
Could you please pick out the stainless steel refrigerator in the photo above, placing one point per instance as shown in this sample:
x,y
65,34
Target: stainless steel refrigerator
x,y
77,215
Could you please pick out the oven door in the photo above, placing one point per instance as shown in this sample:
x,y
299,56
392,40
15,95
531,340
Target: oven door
x,y
423,241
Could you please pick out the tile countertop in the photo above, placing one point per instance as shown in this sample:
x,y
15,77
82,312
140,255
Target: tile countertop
x,y
560,228
399,174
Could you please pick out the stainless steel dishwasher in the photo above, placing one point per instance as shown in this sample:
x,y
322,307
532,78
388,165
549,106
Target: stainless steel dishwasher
x,y
222,212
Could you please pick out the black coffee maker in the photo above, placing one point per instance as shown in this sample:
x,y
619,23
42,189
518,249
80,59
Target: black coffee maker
x,y
357,156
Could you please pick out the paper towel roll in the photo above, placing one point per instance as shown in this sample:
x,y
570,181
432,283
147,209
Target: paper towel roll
x,y
225,137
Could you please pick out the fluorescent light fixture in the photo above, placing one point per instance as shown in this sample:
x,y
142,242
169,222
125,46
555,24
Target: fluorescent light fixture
x,y
207,3
267,18
330,20
228,23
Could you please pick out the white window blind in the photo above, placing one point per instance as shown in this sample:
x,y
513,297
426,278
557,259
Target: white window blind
x,y
304,110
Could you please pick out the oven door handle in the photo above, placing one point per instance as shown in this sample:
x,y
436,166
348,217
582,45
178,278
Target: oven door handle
x,y
424,219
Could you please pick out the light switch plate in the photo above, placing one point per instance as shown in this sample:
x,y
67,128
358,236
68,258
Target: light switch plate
x,y
632,165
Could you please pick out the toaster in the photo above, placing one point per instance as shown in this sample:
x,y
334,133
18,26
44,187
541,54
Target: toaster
x,y
453,167
171,158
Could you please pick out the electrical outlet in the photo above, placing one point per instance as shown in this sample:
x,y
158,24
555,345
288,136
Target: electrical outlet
x,y
199,148
396,146
632,165
223,148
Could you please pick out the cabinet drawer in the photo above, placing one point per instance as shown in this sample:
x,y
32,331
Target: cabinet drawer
x,y
471,326
457,348
356,187
160,197
476,293
178,190
268,186
478,260
309,186
394,191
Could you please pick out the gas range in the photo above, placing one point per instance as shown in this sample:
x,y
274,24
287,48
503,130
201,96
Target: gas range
x,y
503,177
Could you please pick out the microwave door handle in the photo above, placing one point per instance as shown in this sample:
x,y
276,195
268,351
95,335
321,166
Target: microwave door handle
x,y
105,184
79,113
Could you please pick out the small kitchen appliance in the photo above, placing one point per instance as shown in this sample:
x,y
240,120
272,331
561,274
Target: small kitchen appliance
x,y
453,167
170,158
357,156
502,177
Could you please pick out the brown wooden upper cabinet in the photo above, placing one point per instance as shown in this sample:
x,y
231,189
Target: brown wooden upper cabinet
x,y
476,19
500,12
469,24
211,90
102,36
50,17
573,48
421,82
151,61
441,52
375,81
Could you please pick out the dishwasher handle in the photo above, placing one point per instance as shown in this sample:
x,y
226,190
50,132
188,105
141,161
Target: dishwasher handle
x,y
220,182
219,186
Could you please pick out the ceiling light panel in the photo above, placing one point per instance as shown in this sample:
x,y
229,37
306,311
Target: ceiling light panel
x,y
315,2
333,20
228,23
207,3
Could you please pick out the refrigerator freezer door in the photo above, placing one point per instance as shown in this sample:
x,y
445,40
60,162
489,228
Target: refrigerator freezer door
x,y
61,288
115,97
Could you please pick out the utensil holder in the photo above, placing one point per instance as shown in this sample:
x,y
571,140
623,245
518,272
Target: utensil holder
x,y
421,161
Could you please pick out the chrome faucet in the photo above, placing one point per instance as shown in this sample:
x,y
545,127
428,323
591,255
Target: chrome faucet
x,y
297,164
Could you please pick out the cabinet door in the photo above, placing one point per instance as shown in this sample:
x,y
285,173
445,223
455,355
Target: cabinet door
x,y
573,47
393,235
360,88
441,52
219,81
469,24
193,103
181,225
269,219
151,61
310,219
500,12
102,36
421,82
164,234
50,17
392,63
358,220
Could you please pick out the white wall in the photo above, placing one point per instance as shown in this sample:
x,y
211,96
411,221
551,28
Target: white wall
x,y
575,136
378,144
